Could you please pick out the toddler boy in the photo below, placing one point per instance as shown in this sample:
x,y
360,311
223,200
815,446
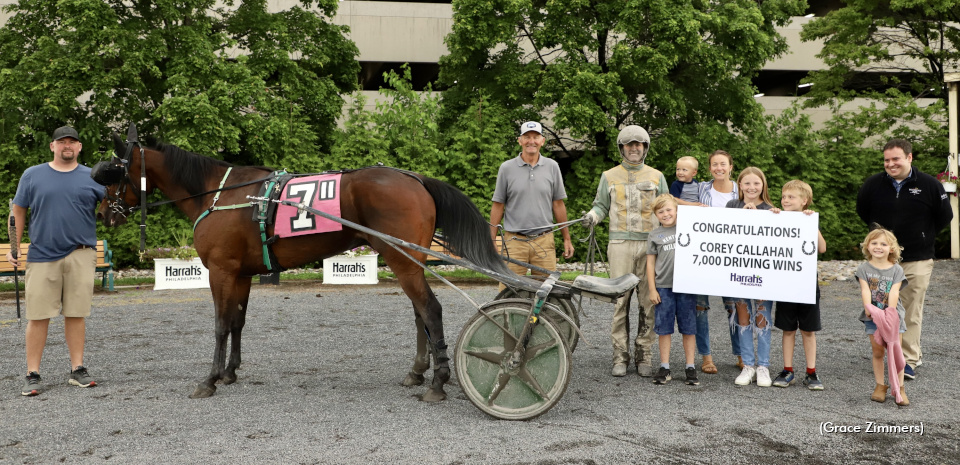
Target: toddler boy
x,y
685,190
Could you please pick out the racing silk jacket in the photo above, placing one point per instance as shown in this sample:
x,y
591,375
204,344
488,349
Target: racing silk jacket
x,y
626,193
914,215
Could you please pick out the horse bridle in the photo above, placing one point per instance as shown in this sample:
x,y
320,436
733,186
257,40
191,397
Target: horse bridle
x,y
117,171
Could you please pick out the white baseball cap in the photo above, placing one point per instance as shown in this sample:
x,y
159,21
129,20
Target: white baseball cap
x,y
531,126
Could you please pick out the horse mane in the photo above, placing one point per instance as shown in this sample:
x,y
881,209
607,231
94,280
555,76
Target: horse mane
x,y
188,169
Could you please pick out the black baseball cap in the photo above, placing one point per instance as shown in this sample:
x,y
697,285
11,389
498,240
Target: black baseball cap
x,y
65,131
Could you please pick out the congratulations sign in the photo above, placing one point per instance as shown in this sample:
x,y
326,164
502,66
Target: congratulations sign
x,y
754,254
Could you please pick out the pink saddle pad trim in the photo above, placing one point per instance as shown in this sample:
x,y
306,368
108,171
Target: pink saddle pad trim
x,y
321,192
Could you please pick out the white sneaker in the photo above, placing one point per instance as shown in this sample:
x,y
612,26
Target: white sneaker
x,y
746,376
763,377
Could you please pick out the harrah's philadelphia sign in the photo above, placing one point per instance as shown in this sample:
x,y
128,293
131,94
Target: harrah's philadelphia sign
x,y
180,274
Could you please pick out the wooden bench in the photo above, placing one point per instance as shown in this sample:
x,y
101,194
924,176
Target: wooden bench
x,y
104,262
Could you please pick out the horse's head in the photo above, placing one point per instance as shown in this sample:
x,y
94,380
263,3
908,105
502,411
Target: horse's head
x,y
120,175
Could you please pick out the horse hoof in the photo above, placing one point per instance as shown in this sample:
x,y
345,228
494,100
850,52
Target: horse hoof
x,y
203,392
433,395
229,378
413,379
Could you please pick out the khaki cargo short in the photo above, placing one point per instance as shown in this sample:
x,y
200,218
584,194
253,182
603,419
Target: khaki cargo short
x,y
63,287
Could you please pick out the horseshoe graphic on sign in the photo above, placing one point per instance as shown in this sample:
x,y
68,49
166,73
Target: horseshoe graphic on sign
x,y
804,248
680,240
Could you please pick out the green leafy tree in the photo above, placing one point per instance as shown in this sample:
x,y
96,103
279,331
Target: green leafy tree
x,y
887,60
681,69
222,78
892,55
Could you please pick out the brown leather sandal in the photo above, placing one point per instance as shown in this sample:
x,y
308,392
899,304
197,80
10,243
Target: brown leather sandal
x,y
707,366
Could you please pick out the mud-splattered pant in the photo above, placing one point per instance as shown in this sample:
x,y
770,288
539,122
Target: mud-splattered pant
x,y
751,317
631,257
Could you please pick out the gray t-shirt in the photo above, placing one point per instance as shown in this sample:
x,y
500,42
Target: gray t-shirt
x,y
62,210
661,242
527,194
880,281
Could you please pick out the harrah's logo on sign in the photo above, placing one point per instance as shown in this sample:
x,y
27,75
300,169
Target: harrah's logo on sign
x,y
755,280
182,271
349,267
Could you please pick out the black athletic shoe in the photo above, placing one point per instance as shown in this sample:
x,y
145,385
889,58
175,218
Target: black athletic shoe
x,y
32,386
662,376
692,376
80,377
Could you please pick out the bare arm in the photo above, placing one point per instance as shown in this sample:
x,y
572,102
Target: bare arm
x,y
821,243
685,202
865,296
496,214
560,214
651,279
893,297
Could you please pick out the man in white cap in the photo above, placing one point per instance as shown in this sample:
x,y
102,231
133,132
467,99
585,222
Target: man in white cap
x,y
528,198
626,193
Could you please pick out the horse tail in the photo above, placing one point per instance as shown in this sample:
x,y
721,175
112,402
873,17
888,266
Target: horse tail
x,y
464,229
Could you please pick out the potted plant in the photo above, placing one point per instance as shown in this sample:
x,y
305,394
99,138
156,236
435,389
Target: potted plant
x,y
949,181
354,266
178,267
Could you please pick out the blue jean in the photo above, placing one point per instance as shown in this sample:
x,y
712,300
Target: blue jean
x,y
703,325
675,307
759,312
732,326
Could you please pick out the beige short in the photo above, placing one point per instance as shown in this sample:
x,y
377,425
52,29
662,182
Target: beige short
x,y
63,287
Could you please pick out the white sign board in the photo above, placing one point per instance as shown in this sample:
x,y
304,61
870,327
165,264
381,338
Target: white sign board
x,y
180,274
753,254
360,269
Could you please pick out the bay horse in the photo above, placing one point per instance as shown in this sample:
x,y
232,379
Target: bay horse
x,y
402,204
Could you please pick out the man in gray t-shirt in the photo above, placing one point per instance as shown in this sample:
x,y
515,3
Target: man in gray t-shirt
x,y
60,266
529,198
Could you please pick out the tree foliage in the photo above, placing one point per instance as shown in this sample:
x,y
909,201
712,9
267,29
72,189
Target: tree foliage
x,y
681,69
222,78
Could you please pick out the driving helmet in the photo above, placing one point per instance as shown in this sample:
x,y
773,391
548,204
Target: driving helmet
x,y
634,133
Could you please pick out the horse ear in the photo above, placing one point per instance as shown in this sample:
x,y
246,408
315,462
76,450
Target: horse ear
x,y
119,146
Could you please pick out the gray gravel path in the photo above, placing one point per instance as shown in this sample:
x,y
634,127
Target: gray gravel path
x,y
320,384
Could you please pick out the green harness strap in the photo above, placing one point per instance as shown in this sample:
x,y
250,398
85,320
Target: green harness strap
x,y
261,216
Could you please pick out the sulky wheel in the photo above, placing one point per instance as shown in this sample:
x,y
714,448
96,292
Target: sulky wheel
x,y
565,305
483,362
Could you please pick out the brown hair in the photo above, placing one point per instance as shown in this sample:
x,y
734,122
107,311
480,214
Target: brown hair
x,y
895,248
764,194
719,153
803,188
901,144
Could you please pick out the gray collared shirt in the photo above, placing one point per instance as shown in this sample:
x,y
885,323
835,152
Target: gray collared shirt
x,y
527,194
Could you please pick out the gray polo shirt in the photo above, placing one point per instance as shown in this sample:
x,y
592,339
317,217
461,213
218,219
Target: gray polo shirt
x,y
661,242
527,194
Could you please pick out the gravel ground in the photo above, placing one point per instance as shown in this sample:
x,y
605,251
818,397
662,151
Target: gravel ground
x,y
320,383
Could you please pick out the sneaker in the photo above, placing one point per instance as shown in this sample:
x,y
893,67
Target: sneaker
x,y
763,377
662,376
813,383
645,370
746,376
80,377
692,376
784,379
908,372
619,369
32,386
